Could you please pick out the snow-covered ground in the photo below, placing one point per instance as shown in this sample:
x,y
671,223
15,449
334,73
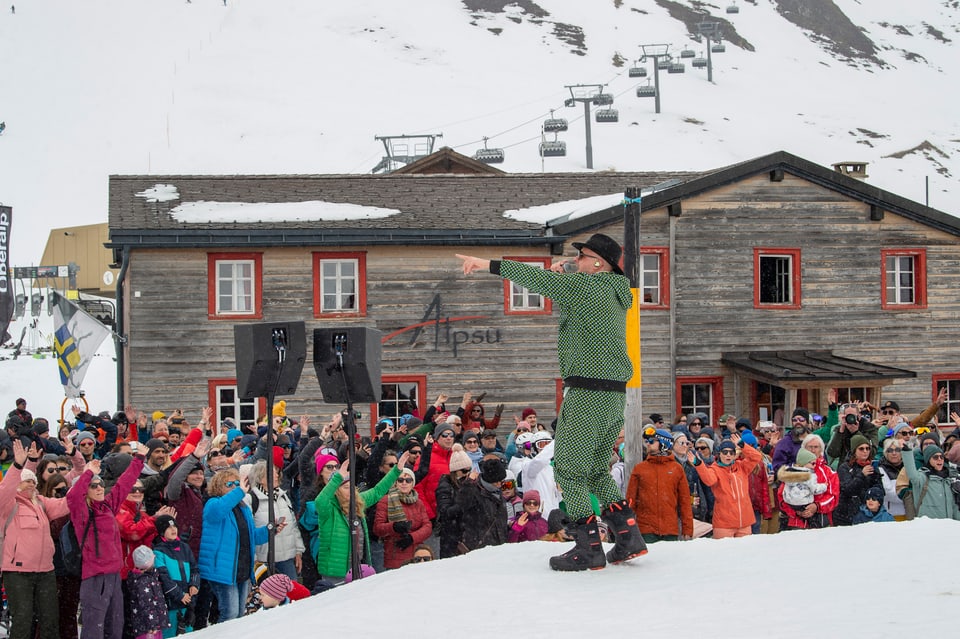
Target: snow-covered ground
x,y
90,89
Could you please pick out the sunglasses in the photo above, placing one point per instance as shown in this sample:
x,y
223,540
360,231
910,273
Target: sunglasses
x,y
388,465
446,435
415,452
702,447
96,484
464,472
936,456
905,433
681,442
798,420
889,412
471,441
63,469
50,469
137,489
233,483
405,480
531,502
85,442
696,424
894,449
727,451
419,560
863,448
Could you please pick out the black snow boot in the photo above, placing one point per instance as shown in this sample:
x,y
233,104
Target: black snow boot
x,y
623,523
587,554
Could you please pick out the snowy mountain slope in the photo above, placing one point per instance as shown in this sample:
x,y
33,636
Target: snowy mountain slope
x,y
291,86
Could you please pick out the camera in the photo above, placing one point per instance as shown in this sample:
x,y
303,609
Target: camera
x,y
851,419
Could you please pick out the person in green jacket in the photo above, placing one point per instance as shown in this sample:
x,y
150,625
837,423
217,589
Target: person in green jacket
x,y
932,484
595,367
333,528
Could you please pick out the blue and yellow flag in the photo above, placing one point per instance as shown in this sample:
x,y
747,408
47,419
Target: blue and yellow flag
x,y
75,342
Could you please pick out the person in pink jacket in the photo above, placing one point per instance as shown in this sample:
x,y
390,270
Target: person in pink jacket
x,y
28,576
101,598
729,478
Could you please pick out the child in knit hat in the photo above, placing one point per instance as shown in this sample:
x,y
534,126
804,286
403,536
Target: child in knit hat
x,y
279,589
798,482
178,574
146,609
872,509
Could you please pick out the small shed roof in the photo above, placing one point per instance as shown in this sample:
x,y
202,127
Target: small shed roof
x,y
811,367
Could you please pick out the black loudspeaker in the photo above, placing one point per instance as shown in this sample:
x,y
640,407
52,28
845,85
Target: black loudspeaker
x,y
257,348
359,349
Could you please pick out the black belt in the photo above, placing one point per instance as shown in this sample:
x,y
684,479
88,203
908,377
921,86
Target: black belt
x,y
591,383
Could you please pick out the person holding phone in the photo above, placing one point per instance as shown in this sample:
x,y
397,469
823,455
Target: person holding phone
x,y
225,561
857,475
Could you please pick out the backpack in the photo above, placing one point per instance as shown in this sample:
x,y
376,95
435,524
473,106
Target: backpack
x,y
71,548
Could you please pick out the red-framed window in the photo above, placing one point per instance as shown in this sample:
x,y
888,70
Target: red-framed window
x,y
339,284
234,286
402,394
223,398
654,277
950,381
776,278
700,395
518,300
903,279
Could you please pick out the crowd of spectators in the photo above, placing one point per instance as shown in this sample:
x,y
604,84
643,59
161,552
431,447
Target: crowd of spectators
x,y
126,516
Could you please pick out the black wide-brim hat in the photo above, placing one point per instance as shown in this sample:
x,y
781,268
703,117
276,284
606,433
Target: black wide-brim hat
x,y
606,247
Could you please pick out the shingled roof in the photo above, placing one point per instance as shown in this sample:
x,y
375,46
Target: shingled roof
x,y
433,208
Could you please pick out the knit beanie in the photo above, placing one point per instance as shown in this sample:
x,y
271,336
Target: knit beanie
x,y
28,475
527,412
442,428
153,444
410,421
280,409
727,445
875,493
276,586
931,436
459,460
928,452
805,457
802,412
323,460
232,434
85,434
143,557
857,441
532,494
163,522
409,473
277,457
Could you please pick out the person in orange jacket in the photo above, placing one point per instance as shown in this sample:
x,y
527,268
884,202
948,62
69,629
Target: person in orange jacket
x,y
659,494
729,478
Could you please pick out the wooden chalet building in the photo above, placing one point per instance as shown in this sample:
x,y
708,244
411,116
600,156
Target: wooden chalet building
x,y
763,284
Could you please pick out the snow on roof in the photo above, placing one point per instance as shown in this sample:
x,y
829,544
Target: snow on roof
x,y
564,211
160,193
204,212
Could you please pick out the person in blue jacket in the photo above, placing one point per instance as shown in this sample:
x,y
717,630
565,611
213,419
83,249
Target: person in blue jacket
x,y
228,542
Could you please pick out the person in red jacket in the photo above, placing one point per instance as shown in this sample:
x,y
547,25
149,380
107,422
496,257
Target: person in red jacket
x,y
401,521
659,494
101,599
439,466
729,478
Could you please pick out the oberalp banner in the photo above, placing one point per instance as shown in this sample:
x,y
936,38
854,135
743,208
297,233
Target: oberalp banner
x,y
7,301
76,339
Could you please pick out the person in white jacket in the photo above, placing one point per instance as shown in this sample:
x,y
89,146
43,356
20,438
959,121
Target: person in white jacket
x,y
288,544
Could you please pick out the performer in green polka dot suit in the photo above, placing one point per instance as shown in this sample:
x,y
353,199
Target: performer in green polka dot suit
x,y
592,352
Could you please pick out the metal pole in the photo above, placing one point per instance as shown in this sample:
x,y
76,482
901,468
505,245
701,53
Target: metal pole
x,y
709,61
586,119
633,414
656,81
